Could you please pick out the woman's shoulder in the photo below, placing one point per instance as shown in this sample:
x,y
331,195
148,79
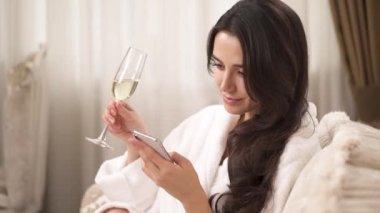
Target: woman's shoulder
x,y
304,143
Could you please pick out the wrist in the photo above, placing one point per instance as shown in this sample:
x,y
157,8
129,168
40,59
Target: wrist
x,y
197,204
132,152
132,157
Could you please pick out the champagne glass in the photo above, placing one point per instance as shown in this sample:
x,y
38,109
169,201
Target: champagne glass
x,y
124,85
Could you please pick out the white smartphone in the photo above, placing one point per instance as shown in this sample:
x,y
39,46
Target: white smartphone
x,y
154,143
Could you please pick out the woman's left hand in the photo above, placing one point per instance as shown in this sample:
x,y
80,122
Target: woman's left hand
x,y
179,178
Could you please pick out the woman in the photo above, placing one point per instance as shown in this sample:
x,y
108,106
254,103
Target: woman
x,y
243,157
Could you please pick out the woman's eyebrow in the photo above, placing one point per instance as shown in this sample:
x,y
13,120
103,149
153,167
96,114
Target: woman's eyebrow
x,y
213,57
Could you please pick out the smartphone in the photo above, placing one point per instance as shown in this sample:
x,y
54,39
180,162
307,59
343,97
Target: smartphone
x,y
154,143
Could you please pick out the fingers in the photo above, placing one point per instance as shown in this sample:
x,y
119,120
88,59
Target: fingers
x,y
147,153
179,159
123,105
151,162
110,115
112,108
108,118
150,169
151,158
124,109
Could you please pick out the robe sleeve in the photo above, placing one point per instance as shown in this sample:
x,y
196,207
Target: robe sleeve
x,y
126,186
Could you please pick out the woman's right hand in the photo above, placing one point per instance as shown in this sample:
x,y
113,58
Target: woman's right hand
x,y
122,119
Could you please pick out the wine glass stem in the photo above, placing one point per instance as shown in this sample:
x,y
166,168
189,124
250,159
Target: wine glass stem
x,y
103,134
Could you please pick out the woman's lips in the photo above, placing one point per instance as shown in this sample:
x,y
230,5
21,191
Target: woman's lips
x,y
231,101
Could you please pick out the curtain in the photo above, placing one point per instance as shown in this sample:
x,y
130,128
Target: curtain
x,y
24,134
3,195
23,106
2,68
328,79
359,35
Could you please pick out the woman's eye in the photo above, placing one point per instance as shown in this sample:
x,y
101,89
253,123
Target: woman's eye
x,y
217,66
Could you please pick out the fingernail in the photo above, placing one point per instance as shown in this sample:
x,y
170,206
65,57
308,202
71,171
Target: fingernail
x,y
112,120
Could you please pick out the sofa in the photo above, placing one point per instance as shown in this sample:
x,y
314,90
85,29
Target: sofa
x,y
343,177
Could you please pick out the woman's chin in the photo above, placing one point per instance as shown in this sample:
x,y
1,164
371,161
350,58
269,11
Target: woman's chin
x,y
235,110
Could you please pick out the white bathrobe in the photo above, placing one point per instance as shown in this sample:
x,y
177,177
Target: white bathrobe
x,y
202,139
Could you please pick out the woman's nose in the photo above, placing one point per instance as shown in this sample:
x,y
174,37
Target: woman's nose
x,y
227,84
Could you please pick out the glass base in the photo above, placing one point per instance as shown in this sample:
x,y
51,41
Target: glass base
x,y
99,142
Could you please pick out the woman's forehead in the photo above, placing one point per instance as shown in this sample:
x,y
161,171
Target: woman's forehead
x,y
227,48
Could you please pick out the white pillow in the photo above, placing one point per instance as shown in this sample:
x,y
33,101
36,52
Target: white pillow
x,y
345,175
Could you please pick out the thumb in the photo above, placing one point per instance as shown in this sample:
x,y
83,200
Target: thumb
x,y
179,159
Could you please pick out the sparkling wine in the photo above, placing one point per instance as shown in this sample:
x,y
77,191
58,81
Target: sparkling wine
x,y
124,89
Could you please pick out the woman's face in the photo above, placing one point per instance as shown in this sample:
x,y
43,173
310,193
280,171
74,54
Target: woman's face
x,y
227,66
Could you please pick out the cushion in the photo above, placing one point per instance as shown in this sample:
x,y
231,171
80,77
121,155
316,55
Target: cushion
x,y
92,199
345,175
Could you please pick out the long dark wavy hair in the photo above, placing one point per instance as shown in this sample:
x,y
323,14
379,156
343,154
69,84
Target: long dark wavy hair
x,y
275,64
